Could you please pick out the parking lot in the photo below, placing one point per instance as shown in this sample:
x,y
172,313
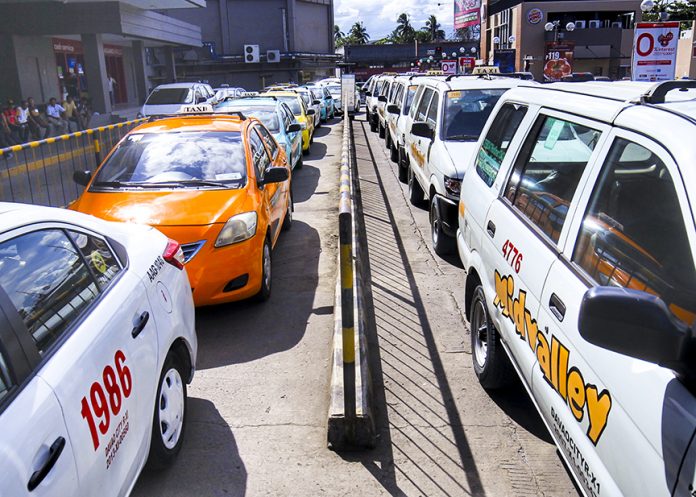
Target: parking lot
x,y
258,403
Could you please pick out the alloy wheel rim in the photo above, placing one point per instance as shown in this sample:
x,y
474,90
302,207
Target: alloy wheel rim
x,y
267,266
171,408
480,329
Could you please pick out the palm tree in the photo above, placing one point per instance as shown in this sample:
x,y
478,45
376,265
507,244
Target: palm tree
x,y
358,34
404,32
338,34
433,27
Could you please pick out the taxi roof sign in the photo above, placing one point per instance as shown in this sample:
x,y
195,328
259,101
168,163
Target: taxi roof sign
x,y
196,109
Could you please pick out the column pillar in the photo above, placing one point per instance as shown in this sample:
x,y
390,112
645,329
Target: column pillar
x,y
95,71
169,66
139,65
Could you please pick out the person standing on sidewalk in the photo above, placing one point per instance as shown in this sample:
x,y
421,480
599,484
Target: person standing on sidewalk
x,y
112,84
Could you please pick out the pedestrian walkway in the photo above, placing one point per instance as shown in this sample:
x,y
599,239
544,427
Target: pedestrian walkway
x,y
441,433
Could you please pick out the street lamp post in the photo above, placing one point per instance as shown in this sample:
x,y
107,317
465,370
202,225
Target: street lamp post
x,y
555,27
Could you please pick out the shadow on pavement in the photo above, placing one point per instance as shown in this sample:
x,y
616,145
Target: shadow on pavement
x,y
304,182
245,331
323,131
209,457
316,152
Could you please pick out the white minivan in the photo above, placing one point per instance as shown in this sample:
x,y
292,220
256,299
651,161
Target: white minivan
x,y
168,99
577,234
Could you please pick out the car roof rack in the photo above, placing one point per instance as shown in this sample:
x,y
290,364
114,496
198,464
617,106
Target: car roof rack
x,y
657,93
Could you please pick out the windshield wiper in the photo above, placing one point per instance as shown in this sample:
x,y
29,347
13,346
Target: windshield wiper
x,y
190,182
463,137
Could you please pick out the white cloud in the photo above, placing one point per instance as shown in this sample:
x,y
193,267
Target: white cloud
x,y
379,17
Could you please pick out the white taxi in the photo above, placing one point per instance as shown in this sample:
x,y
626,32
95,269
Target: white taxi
x,y
97,343
576,229
447,117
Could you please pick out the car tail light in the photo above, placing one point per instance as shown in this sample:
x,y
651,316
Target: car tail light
x,y
173,254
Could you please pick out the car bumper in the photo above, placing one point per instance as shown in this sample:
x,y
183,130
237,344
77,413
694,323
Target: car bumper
x,y
448,214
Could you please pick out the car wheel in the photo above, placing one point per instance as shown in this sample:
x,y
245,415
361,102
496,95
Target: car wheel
x,y
387,139
415,192
381,131
491,365
442,243
265,290
393,153
373,124
169,421
403,166
287,222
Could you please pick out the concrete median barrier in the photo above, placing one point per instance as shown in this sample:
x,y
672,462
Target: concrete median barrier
x,y
351,423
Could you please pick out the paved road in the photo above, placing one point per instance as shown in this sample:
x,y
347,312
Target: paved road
x,y
257,407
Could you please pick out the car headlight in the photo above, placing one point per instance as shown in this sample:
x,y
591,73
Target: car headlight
x,y
237,229
453,186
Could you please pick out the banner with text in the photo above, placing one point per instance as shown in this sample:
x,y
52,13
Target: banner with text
x,y
466,13
558,60
654,51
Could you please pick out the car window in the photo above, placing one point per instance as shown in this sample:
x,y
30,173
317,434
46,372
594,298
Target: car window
x,y
497,141
294,104
416,98
166,96
259,154
48,282
100,260
633,234
149,159
548,171
410,94
265,113
432,111
268,140
6,382
422,110
466,111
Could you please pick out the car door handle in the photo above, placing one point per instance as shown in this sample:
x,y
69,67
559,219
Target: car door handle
x,y
490,228
54,453
140,325
557,307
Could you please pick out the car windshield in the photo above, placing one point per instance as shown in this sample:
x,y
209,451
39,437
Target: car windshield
x,y
293,103
175,160
335,90
466,112
266,114
164,96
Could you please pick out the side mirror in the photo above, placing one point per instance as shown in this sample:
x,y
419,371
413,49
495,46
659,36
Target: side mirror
x,y
82,177
382,98
636,324
316,102
393,109
422,130
275,175
294,127
311,112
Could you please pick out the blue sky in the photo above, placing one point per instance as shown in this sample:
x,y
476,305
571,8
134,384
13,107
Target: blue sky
x,y
379,16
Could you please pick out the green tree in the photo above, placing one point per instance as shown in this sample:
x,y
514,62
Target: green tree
x,y
357,34
433,29
423,35
339,36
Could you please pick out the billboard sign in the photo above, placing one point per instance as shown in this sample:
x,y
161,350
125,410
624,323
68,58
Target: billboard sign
x,y
504,58
449,67
466,64
654,51
466,13
558,60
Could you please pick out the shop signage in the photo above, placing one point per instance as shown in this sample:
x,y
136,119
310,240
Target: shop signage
x,y
558,60
449,67
466,13
61,45
466,64
504,58
534,16
654,51
113,50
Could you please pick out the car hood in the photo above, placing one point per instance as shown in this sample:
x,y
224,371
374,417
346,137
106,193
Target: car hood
x,y
460,153
165,208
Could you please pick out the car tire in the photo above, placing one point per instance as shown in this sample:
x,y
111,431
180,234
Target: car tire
x,y
387,139
266,273
491,364
393,153
415,193
171,402
403,166
287,222
373,124
442,243
381,131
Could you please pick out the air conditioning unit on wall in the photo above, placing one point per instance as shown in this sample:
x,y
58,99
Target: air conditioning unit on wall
x,y
251,54
273,56
595,24
580,24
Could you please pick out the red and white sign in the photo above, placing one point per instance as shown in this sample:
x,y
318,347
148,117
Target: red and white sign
x,y
654,51
466,64
449,67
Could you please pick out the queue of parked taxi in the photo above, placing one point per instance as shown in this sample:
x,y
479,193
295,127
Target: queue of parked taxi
x,y
570,208
212,172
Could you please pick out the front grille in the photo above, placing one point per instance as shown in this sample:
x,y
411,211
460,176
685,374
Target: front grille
x,y
191,249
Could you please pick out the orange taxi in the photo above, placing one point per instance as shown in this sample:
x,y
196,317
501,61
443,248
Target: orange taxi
x,y
220,185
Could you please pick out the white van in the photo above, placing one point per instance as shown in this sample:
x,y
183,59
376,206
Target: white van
x,y
168,99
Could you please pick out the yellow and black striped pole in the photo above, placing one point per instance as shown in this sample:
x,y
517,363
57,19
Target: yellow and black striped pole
x,y
345,231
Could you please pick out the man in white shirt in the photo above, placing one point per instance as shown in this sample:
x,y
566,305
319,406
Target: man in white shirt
x,y
23,121
55,113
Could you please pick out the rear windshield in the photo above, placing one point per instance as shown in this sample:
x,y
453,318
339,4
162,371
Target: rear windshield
x,y
165,96
266,114
176,160
466,112
293,103
335,90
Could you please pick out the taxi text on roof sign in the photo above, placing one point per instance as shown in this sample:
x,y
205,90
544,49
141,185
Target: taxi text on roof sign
x,y
196,109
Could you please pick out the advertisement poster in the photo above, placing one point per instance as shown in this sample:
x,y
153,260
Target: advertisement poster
x,y
558,60
504,58
654,51
448,67
466,64
466,13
